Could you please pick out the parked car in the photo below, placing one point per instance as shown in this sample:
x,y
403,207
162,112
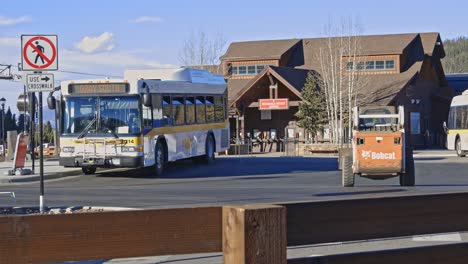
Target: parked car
x,y
48,150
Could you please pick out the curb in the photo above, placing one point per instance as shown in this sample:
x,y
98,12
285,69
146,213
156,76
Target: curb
x,y
36,177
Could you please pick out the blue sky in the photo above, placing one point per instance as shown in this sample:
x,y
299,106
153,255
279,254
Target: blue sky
x,y
110,36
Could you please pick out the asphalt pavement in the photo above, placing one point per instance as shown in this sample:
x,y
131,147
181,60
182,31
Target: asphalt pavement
x,y
261,178
52,170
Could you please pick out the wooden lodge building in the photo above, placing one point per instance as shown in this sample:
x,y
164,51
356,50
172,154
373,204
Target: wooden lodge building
x,y
400,69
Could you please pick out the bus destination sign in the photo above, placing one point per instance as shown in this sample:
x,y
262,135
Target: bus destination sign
x,y
98,88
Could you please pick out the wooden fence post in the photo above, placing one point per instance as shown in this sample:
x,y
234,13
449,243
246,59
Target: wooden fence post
x,y
254,234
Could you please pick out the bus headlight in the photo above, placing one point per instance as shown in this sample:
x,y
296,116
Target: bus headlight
x,y
132,149
68,149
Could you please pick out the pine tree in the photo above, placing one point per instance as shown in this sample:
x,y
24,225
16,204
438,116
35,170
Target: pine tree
x,y
312,114
48,132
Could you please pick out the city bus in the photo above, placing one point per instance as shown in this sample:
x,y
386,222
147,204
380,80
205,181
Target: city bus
x,y
457,125
147,119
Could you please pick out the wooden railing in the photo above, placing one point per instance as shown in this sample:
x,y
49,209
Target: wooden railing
x,y
250,234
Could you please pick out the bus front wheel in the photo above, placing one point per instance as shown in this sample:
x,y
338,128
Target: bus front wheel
x,y
458,147
159,159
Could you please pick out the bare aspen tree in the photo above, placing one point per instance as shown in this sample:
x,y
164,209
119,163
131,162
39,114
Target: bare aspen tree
x,y
342,45
199,49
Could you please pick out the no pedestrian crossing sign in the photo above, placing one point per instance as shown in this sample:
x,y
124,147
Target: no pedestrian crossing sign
x,y
39,52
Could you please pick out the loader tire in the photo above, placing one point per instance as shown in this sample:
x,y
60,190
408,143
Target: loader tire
x,y
347,175
408,178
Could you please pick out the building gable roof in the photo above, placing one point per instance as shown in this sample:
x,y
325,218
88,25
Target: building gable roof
x,y
293,79
264,49
382,89
430,42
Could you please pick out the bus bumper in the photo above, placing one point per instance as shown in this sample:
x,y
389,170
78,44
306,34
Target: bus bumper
x,y
108,162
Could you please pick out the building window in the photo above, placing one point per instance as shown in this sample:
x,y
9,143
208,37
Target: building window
x,y
251,69
260,68
360,66
370,65
242,70
265,114
415,118
247,69
273,133
379,65
390,64
234,70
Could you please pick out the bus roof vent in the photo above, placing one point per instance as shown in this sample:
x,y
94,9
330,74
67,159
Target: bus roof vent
x,y
465,92
179,74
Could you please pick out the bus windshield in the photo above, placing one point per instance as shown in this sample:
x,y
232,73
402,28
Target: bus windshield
x,y
101,115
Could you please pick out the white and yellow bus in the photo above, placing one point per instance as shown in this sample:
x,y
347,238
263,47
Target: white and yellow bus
x,y
457,125
149,118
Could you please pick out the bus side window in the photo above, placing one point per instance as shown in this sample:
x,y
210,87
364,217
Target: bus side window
x,y
459,117
157,111
219,109
167,111
178,110
210,111
200,105
465,115
147,117
190,110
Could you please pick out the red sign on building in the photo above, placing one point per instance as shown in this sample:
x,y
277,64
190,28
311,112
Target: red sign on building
x,y
273,104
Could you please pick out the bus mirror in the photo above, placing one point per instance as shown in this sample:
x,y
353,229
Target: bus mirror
x,y
51,102
147,99
445,127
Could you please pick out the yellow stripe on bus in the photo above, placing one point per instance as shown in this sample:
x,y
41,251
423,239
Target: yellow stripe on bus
x,y
458,131
187,128
127,141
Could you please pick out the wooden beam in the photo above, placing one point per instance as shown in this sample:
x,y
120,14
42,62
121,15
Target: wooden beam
x,y
371,218
254,234
107,235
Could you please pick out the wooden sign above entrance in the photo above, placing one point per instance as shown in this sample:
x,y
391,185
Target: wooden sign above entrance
x,y
273,104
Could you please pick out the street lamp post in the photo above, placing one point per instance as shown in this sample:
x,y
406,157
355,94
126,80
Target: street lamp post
x,y
2,103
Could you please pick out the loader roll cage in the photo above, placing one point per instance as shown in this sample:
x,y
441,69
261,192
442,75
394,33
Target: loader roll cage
x,y
378,119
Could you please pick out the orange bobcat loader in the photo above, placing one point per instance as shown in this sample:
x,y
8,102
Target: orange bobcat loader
x,y
379,149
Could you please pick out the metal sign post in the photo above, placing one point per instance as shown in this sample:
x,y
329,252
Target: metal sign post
x,y
41,150
39,53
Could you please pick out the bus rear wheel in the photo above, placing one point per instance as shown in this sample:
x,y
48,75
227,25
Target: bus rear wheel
x,y
458,147
159,159
88,170
209,156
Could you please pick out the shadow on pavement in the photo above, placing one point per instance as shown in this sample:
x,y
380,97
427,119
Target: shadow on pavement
x,y
232,167
358,192
423,158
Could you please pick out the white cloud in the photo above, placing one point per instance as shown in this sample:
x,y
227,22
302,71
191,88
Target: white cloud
x,y
103,42
5,21
144,19
123,60
10,42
